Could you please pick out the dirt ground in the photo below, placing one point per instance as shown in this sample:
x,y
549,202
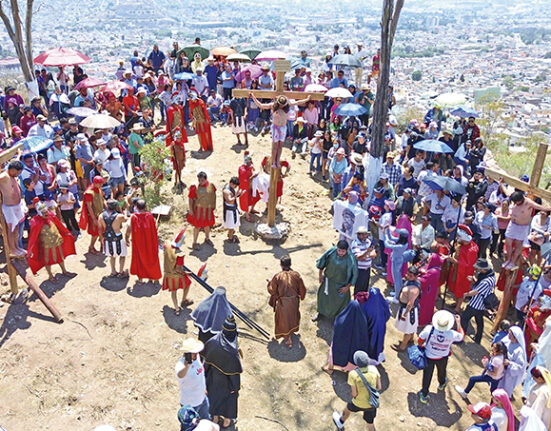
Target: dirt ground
x,y
112,360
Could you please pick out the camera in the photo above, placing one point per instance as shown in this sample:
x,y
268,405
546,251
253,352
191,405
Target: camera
x,y
188,358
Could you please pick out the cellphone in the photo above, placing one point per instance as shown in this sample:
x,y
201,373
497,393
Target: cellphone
x,y
187,358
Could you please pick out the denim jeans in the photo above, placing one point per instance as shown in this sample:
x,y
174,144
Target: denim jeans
x,y
214,113
483,378
335,187
317,159
302,144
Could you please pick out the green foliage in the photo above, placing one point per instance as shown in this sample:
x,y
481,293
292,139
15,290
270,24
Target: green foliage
x,y
508,82
410,52
541,77
156,159
547,54
417,75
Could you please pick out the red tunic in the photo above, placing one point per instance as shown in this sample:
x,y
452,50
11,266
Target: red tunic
x,y
203,217
35,250
171,113
201,123
84,222
535,322
145,247
246,200
457,278
171,284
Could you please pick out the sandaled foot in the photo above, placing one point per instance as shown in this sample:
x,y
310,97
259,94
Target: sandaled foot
x,y
114,274
397,348
195,246
289,343
123,274
228,424
187,302
209,242
327,370
177,311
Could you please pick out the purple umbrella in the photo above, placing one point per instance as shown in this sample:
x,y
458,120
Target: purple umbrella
x,y
255,70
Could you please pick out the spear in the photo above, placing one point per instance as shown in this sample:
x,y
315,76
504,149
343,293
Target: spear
x,y
242,316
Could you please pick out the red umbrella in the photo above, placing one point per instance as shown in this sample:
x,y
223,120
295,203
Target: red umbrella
x,y
89,82
61,57
255,70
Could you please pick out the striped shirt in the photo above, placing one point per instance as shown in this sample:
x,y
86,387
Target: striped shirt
x,y
484,287
358,248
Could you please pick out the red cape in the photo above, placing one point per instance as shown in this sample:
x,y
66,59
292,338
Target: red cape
x,y
246,199
83,222
34,256
172,110
203,130
459,284
145,247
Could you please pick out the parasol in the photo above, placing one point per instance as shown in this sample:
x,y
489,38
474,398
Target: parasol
x,y
222,51
100,121
192,49
116,87
251,53
350,109
238,57
433,146
89,82
339,92
255,70
439,182
346,60
315,88
61,57
81,111
183,76
271,55
34,144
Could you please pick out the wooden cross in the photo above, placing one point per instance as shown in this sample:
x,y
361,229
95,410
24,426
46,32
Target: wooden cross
x,y
533,186
280,68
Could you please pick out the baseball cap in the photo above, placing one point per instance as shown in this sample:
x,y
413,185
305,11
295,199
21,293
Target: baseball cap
x,y
482,410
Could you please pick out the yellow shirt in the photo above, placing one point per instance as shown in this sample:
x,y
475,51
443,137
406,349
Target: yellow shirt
x,y
371,374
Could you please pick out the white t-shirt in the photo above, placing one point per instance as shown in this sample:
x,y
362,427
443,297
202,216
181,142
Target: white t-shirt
x,y
193,385
437,206
417,166
499,417
439,344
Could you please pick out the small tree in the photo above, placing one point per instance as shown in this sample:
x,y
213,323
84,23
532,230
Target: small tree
x,y
156,170
20,33
417,75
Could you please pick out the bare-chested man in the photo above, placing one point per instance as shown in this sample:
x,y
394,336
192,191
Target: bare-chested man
x,y
231,214
519,227
12,206
112,241
407,319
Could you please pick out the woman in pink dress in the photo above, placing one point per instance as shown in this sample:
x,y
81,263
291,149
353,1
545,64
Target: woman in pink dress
x,y
430,285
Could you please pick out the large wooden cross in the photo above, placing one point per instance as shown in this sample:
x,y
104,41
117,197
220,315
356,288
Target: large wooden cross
x,y
280,68
533,186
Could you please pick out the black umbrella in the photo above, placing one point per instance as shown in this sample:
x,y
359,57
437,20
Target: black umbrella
x,y
346,60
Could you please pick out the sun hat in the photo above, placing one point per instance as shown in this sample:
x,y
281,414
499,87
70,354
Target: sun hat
x,y
442,320
482,264
341,151
356,158
482,410
361,229
361,359
191,345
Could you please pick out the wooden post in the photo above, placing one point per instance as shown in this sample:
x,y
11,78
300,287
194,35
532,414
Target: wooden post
x,y
272,196
503,309
26,275
538,165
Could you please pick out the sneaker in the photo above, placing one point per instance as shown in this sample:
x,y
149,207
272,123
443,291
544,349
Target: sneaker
x,y
337,420
392,300
443,385
422,398
461,391
316,317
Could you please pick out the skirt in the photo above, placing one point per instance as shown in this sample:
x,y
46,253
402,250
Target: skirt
x,y
239,126
116,248
517,232
279,133
410,324
173,282
231,222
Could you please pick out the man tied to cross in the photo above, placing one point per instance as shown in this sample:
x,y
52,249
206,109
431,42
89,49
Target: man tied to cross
x,y
280,111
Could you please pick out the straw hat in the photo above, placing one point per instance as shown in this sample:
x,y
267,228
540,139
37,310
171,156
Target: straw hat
x,y
138,127
442,320
191,345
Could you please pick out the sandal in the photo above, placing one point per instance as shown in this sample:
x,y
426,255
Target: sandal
x,y
232,423
177,311
327,370
209,242
187,302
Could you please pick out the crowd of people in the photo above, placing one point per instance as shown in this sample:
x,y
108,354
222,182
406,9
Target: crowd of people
x,y
433,219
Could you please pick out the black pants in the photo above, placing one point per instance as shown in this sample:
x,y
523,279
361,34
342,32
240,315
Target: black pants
x,y
478,315
497,242
70,220
227,93
440,365
483,245
362,282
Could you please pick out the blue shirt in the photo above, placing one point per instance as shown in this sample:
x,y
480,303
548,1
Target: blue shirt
x,y
211,72
336,82
337,167
83,151
227,83
157,59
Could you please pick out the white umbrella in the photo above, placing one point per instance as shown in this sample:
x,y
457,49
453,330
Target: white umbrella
x,y
100,121
238,57
315,88
339,92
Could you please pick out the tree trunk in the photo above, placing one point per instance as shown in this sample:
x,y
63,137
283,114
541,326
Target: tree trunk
x,y
14,28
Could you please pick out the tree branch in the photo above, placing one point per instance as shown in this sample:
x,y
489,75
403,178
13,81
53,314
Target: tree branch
x,y
28,33
7,23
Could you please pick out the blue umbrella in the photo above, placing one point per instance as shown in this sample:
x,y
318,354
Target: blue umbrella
x,y
81,111
34,144
464,113
445,183
183,76
433,146
350,109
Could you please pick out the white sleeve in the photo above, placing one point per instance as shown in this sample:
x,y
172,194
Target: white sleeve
x,y
425,332
456,337
179,366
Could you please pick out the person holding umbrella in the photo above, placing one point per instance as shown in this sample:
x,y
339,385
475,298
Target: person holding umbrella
x,y
436,203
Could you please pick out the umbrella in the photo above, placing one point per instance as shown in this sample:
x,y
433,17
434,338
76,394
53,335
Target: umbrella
x,y
315,88
81,111
251,53
339,92
433,146
346,60
34,144
183,76
350,110
255,70
116,87
270,55
100,121
61,57
223,51
238,57
445,183
192,49
89,82
464,113
448,100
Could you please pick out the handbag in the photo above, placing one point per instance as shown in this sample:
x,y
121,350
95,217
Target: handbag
x,y
373,393
491,302
417,354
